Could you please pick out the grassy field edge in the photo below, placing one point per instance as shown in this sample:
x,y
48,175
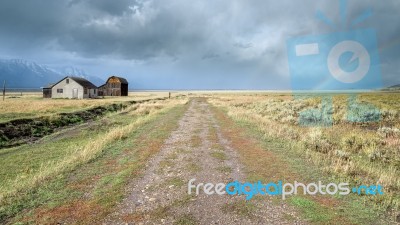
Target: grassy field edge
x,y
282,159
38,202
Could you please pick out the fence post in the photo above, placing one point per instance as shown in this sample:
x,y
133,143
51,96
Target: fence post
x,y
4,90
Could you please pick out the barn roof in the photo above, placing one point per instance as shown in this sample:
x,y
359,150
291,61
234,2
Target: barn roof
x,y
122,80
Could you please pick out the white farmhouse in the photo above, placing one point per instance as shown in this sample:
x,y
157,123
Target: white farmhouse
x,y
71,87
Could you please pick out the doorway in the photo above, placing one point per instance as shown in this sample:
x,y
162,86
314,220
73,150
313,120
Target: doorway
x,y
75,93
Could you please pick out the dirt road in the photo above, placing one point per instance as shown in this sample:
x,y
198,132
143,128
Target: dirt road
x,y
196,150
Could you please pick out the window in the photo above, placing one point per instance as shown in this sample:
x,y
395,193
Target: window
x,y
67,81
60,91
94,91
85,91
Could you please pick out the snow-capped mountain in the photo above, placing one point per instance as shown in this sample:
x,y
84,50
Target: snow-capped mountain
x,y
72,71
19,73
69,70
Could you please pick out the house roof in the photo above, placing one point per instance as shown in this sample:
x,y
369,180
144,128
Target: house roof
x,y
49,86
82,81
122,80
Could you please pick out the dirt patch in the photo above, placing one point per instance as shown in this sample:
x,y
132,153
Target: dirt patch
x,y
76,209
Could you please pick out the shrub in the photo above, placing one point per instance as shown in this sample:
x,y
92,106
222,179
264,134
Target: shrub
x,y
3,139
315,117
74,119
342,154
377,154
317,141
360,113
352,143
389,132
39,131
289,119
389,115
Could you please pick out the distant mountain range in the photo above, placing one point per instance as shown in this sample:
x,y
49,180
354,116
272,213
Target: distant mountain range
x,y
395,86
19,73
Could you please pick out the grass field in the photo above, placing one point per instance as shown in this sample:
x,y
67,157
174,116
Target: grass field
x,y
32,104
79,174
27,167
358,152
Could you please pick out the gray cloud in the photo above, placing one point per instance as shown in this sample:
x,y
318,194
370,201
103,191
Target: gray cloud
x,y
210,56
243,45
247,37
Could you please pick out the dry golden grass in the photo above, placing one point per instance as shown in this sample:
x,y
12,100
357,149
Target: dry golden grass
x,y
33,105
359,152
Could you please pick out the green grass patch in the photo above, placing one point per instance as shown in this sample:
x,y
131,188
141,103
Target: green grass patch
x,y
240,207
219,155
224,169
192,166
176,181
195,141
311,210
164,211
186,219
172,156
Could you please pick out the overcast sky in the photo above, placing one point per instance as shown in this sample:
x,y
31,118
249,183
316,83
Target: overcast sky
x,y
208,44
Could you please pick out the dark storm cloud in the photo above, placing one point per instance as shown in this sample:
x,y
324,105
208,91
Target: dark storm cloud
x,y
114,8
247,35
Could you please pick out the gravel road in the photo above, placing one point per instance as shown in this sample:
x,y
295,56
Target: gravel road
x,y
196,150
